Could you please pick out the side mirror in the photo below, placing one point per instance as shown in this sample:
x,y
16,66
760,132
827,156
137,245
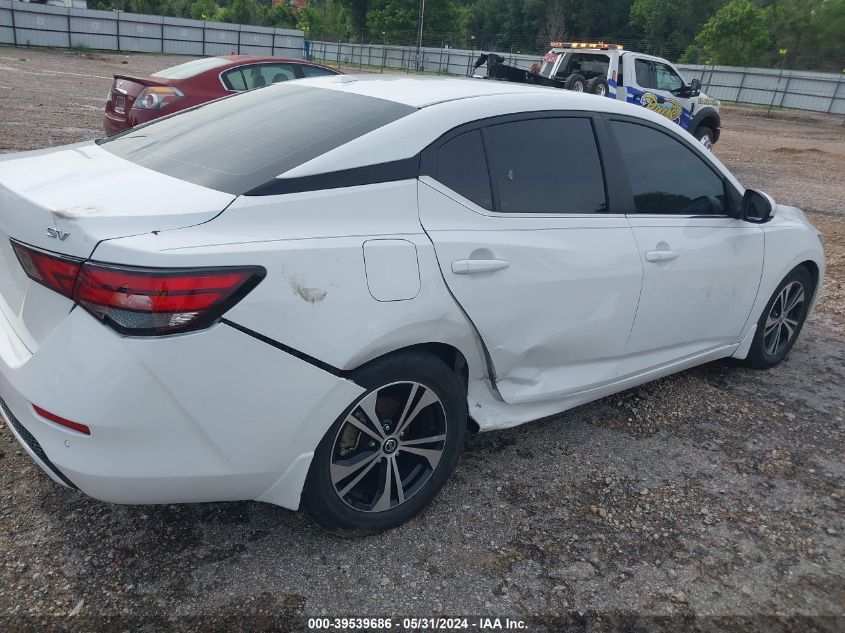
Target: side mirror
x,y
695,88
757,207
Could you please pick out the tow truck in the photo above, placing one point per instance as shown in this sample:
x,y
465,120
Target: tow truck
x,y
611,71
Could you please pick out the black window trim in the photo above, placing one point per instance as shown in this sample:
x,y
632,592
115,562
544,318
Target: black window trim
x,y
731,193
615,195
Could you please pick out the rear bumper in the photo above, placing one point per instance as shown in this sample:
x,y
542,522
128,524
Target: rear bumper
x,y
211,416
114,123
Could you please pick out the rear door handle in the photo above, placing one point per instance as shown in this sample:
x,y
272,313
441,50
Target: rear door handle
x,y
471,266
661,256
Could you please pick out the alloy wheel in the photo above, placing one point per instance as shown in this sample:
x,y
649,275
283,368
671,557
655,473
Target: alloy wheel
x,y
784,318
388,446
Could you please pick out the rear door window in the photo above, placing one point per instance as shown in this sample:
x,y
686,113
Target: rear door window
x,y
462,167
234,80
547,165
240,142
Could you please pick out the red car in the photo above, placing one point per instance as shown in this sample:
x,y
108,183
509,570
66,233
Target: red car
x,y
135,100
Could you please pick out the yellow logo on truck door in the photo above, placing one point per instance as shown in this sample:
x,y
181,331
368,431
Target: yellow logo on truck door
x,y
669,108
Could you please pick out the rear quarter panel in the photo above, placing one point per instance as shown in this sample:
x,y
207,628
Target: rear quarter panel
x,y
315,297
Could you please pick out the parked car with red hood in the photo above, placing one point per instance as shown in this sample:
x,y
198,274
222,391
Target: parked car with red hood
x,y
134,100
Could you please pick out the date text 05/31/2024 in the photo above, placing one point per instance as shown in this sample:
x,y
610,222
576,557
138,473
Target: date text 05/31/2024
x,y
408,625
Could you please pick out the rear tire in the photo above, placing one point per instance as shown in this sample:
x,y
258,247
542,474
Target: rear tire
x,y
576,82
353,485
598,86
781,321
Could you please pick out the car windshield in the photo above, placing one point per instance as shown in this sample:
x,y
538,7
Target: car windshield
x,y
240,142
191,69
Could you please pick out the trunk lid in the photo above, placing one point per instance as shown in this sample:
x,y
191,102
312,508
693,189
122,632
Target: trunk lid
x,y
83,195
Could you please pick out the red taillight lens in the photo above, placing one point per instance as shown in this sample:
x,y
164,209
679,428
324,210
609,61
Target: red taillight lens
x,y
54,271
143,301
161,301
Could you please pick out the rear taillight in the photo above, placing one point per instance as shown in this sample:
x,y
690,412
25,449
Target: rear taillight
x,y
157,97
54,271
142,301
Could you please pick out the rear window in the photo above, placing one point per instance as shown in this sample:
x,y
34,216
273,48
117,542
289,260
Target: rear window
x,y
238,143
191,69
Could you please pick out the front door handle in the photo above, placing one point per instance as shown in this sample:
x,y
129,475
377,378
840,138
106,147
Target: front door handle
x,y
661,256
471,266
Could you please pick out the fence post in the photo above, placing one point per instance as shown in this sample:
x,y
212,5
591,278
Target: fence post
x,y
780,75
361,53
741,82
203,38
273,43
338,53
833,96
118,31
239,40
14,28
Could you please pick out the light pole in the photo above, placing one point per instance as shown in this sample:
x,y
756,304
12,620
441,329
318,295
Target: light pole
x,y
420,34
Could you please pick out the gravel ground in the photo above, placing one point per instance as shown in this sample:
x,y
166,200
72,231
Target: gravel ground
x,y
711,499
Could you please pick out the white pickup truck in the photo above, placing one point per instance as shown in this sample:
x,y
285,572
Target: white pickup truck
x,y
609,70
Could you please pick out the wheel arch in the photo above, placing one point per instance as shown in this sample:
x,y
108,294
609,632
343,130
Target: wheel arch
x,y
707,117
450,354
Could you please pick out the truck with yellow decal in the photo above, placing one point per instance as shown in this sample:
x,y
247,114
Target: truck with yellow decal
x,y
611,71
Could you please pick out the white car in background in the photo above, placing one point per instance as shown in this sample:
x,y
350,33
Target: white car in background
x,y
227,305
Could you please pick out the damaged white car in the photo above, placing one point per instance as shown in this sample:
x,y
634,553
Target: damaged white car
x,y
313,309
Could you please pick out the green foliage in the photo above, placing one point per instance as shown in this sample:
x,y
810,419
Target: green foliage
x,y
738,34
669,26
203,9
331,20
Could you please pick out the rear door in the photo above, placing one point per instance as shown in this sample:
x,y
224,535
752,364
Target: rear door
x,y
527,241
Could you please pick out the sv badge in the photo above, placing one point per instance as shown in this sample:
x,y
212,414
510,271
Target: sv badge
x,y
56,234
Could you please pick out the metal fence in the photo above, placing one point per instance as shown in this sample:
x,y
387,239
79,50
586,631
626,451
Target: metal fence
x,y
795,89
27,24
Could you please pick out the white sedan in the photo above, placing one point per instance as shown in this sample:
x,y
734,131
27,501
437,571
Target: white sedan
x,y
305,295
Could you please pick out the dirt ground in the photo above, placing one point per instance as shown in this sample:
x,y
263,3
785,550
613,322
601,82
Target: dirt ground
x,y
712,499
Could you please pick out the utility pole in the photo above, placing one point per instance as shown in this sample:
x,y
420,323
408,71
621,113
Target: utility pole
x,y
420,34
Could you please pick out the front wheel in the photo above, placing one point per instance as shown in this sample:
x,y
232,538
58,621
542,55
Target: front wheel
x,y
386,457
782,320
705,136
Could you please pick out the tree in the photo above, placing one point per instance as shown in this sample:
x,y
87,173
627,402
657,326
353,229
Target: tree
x,y
330,20
554,27
669,26
737,35
203,9
281,16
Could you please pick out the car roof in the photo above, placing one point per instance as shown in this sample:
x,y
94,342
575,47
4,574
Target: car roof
x,y
420,92
442,104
